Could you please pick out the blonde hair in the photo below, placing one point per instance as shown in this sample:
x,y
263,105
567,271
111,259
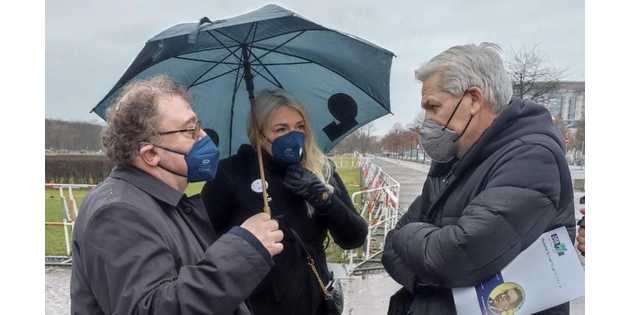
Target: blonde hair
x,y
270,100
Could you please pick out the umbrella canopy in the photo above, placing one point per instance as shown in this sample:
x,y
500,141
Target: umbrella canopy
x,y
342,80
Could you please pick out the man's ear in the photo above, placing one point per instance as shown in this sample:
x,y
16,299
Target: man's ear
x,y
477,100
148,155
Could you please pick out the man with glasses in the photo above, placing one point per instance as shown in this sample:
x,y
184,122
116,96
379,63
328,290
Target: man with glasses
x,y
498,180
141,246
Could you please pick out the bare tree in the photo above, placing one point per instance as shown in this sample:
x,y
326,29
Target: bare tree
x,y
365,137
399,139
532,76
361,140
417,121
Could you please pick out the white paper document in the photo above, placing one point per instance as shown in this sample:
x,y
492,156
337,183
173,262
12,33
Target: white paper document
x,y
546,274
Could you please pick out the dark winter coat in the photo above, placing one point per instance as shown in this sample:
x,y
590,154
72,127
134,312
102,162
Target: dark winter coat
x,y
290,288
142,247
478,213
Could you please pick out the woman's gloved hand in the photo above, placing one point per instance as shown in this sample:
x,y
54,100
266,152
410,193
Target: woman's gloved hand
x,y
305,184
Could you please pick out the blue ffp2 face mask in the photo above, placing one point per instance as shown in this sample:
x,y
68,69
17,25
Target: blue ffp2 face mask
x,y
202,160
288,149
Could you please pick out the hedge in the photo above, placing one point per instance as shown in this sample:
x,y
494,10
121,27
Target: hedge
x,y
77,169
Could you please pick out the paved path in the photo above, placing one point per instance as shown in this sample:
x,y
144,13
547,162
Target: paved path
x,y
57,290
410,175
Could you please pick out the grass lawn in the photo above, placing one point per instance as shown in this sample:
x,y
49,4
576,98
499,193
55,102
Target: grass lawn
x,y
351,178
55,244
194,188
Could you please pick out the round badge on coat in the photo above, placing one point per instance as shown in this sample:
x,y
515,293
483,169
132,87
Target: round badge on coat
x,y
257,186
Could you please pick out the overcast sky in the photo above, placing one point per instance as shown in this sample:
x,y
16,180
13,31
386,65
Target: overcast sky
x,y
90,43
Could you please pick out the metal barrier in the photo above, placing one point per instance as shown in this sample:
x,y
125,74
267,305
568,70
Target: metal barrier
x,y
379,205
69,211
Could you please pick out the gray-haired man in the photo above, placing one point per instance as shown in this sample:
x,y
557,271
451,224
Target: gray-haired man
x,y
141,246
499,179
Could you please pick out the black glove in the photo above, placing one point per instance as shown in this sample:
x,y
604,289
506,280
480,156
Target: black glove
x,y
305,184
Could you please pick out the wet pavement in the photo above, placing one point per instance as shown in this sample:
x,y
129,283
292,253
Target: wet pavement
x,y
58,290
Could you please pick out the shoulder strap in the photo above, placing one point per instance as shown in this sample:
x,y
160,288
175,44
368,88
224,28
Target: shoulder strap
x,y
311,262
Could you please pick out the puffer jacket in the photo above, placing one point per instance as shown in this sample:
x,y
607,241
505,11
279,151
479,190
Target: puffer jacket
x,y
478,213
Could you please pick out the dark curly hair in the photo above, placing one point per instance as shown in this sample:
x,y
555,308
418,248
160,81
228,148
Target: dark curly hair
x,y
133,119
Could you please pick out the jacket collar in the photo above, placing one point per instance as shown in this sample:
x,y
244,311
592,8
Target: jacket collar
x,y
520,118
147,183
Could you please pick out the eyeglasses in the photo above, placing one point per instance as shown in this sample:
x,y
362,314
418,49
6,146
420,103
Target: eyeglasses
x,y
192,132
455,110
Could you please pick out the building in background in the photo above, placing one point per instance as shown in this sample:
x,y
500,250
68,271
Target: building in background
x,y
566,104
566,101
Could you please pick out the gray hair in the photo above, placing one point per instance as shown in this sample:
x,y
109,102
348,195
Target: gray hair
x,y
466,66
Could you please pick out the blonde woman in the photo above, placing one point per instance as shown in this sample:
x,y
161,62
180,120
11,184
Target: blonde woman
x,y
307,197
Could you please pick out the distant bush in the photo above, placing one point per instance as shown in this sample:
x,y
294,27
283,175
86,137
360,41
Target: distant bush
x,y
77,169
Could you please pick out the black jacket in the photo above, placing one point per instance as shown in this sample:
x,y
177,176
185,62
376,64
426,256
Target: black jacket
x,y
290,288
478,213
141,247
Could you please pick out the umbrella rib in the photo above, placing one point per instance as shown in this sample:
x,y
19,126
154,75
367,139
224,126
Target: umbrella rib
x,y
282,63
230,37
248,32
281,45
289,32
206,61
207,49
264,67
254,35
235,89
277,84
224,46
215,77
206,72
329,69
323,29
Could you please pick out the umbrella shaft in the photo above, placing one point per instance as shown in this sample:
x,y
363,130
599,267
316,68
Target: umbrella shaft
x,y
261,171
247,69
249,84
